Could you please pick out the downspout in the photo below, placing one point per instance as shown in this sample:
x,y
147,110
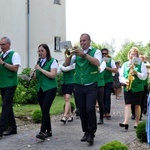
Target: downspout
x,y
28,36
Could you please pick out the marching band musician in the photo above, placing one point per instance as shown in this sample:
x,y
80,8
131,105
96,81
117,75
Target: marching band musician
x,y
67,90
132,76
46,71
9,65
87,62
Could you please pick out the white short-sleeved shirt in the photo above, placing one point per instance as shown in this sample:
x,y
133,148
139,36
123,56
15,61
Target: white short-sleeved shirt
x,y
53,65
16,59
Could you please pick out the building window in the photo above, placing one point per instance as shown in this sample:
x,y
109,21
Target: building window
x,y
57,2
57,43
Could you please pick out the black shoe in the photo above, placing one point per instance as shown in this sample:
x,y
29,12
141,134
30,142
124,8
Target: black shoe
x,y
135,127
133,117
1,134
90,139
70,119
41,136
48,134
77,113
10,131
63,119
100,121
144,111
108,116
84,138
124,125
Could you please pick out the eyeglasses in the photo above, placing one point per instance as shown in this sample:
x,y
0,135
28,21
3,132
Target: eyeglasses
x,y
104,53
3,44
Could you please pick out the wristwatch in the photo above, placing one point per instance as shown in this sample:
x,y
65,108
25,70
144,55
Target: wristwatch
x,y
3,63
84,56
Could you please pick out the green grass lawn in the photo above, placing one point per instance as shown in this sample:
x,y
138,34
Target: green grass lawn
x,y
28,109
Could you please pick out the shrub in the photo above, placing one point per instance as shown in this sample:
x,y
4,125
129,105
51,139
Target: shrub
x,y
37,116
114,145
141,131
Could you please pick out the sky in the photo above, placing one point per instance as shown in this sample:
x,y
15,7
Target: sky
x,y
107,20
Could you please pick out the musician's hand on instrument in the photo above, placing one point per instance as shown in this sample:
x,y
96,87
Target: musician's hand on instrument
x,y
127,82
133,72
37,67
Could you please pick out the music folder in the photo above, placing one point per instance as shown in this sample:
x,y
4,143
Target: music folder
x,y
65,45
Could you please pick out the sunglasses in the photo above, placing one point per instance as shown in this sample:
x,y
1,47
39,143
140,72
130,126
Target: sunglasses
x,y
104,53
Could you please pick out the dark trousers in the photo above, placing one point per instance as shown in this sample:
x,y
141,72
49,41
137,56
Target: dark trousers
x,y
7,116
100,99
45,100
107,97
86,101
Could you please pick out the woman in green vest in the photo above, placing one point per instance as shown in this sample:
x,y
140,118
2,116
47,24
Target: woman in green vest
x,y
132,74
67,90
46,71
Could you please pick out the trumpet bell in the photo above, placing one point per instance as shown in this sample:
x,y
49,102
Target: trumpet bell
x,y
69,53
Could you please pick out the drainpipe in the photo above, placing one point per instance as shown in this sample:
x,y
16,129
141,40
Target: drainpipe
x,y
28,35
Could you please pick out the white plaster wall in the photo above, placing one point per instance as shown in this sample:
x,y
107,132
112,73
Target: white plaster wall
x,y
46,20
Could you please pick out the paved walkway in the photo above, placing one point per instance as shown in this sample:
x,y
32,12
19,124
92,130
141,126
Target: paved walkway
x,y
67,137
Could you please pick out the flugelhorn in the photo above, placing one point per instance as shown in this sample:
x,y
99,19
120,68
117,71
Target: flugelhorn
x,y
69,53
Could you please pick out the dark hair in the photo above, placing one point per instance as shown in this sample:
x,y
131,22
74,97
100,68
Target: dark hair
x,y
48,53
104,49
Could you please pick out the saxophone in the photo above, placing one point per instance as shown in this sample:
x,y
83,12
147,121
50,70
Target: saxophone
x,y
130,77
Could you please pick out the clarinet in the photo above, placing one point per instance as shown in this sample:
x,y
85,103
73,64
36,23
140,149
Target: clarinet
x,y
32,75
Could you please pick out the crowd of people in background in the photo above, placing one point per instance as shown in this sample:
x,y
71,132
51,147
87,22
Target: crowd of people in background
x,y
89,75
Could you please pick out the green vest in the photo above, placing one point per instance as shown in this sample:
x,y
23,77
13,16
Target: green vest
x,y
43,81
7,77
137,84
68,77
85,72
108,74
101,81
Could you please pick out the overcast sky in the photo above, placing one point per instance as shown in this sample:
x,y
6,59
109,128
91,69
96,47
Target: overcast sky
x,y
105,20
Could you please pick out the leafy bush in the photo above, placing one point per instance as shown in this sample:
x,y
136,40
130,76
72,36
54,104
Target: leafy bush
x,y
28,89
141,131
114,145
37,116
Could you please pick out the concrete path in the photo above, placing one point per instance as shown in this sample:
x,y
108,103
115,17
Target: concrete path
x,y
67,136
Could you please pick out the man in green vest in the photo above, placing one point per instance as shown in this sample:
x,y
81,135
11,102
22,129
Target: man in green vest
x,y
108,78
9,65
87,61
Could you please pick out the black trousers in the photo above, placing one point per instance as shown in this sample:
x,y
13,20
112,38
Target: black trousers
x,y
107,97
100,99
45,100
7,116
86,101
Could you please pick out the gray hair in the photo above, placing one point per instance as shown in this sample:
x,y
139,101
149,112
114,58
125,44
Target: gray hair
x,y
7,39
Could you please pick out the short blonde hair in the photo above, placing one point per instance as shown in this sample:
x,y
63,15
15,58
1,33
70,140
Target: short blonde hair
x,y
133,49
